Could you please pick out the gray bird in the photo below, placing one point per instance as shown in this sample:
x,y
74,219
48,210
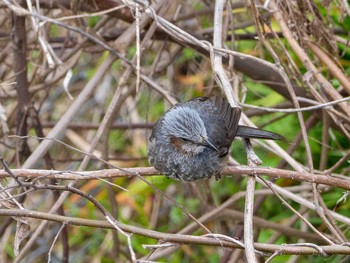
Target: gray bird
x,y
192,140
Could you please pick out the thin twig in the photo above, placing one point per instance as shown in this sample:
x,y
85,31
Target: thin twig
x,y
311,108
54,241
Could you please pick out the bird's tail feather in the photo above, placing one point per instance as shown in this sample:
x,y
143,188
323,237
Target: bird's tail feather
x,y
249,132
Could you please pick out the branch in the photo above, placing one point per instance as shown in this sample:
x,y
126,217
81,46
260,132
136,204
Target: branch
x,y
177,238
147,171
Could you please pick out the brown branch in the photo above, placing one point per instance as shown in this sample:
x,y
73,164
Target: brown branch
x,y
90,6
20,69
147,171
280,228
87,126
331,66
177,238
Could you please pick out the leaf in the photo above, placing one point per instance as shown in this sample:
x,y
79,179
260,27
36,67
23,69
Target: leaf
x,y
22,231
23,227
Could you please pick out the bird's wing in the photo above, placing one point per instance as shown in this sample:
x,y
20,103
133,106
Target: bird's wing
x,y
229,115
220,120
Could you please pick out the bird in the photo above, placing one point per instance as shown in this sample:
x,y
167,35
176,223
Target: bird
x,y
191,141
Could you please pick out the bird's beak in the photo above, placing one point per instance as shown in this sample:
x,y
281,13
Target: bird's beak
x,y
209,144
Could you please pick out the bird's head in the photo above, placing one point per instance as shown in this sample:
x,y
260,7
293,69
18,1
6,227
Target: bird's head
x,y
184,129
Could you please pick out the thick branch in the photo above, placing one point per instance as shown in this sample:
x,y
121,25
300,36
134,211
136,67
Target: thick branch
x,y
146,171
177,238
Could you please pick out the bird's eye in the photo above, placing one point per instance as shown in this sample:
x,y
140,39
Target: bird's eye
x,y
185,139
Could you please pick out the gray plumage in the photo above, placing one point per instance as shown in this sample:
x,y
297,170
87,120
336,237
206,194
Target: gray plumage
x,y
191,141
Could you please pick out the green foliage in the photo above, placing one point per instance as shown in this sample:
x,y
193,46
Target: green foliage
x,y
186,55
150,112
131,52
55,30
117,65
92,21
225,187
9,251
117,140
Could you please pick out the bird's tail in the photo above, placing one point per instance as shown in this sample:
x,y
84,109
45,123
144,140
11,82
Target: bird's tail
x,y
249,132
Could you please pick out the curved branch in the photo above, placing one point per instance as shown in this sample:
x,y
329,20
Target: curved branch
x,y
178,238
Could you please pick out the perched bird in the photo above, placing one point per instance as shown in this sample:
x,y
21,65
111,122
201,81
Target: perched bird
x,y
192,140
